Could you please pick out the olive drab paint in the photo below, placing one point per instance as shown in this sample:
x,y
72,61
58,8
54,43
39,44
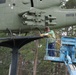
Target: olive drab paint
x,y
22,15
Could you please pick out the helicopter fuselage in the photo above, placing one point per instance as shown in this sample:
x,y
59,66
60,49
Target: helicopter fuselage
x,y
10,19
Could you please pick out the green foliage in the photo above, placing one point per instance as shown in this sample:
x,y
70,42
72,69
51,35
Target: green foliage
x,y
28,53
71,4
5,58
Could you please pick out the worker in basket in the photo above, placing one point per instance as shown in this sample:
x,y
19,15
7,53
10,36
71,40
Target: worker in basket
x,y
51,40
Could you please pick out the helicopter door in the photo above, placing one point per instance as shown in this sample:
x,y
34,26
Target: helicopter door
x,y
2,1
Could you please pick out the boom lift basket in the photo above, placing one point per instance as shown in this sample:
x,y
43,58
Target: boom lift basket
x,y
67,49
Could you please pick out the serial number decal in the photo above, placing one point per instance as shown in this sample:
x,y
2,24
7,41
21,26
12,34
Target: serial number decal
x,y
71,14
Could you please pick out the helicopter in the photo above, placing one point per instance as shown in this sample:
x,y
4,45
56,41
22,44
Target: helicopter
x,y
26,15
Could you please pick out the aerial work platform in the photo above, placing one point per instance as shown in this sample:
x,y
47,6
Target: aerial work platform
x,y
67,54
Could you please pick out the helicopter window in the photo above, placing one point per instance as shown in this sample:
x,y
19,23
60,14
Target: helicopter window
x,y
2,1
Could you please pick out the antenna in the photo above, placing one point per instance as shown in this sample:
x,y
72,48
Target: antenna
x,y
32,3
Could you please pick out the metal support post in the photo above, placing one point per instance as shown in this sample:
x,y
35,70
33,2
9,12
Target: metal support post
x,y
14,61
15,43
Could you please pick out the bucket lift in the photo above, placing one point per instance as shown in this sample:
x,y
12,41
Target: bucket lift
x,y
67,54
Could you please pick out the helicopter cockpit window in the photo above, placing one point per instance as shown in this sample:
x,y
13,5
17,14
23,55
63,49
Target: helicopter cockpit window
x,y
2,1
